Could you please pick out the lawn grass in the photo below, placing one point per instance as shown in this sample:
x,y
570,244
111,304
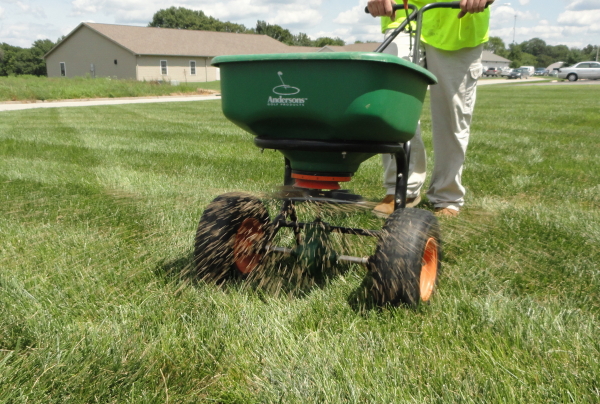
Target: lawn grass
x,y
97,219
32,88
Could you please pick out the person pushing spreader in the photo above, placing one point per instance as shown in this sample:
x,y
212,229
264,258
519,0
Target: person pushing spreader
x,y
326,113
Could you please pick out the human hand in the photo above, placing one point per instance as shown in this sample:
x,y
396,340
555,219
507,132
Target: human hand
x,y
472,6
378,8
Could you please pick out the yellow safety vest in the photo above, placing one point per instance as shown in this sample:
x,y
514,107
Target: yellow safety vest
x,y
442,30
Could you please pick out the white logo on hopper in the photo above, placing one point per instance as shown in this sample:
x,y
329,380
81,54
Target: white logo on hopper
x,y
285,89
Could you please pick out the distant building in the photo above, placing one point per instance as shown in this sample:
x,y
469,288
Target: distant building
x,y
162,54
489,59
144,53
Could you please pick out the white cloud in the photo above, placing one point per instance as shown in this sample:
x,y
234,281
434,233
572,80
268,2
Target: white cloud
x,y
1,13
281,12
581,5
580,18
352,16
84,6
37,12
24,35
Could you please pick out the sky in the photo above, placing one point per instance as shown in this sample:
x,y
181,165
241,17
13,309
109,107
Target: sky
x,y
575,23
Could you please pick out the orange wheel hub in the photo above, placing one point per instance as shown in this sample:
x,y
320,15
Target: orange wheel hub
x,y
245,254
429,269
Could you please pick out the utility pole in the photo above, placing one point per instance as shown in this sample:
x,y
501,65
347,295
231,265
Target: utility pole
x,y
597,47
514,28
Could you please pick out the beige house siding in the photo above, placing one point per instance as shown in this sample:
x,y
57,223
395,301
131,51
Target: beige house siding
x,y
86,47
178,69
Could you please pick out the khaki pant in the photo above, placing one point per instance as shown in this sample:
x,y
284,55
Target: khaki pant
x,y
452,102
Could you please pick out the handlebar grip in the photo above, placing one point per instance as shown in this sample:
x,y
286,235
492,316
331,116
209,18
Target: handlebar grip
x,y
395,7
456,4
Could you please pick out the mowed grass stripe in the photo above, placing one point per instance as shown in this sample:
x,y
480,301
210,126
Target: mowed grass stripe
x,y
99,208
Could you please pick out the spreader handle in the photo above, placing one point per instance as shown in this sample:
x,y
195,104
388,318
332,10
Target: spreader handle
x,y
416,15
449,4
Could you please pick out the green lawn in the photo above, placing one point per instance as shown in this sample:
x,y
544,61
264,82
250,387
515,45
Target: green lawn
x,y
30,88
98,212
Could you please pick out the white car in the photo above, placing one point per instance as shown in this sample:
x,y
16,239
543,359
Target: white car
x,y
582,70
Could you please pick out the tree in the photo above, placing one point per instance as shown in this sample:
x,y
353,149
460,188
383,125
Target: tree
x,y
496,46
184,18
324,41
16,60
544,60
275,32
589,52
535,46
515,55
303,40
527,59
38,50
558,52
575,55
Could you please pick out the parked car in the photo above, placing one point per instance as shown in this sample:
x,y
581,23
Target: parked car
x,y
582,70
530,69
505,72
491,71
518,74
540,71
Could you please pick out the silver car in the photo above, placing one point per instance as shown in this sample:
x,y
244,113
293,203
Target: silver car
x,y
582,70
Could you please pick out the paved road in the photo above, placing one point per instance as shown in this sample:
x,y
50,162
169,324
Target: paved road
x,y
15,106
532,81
485,82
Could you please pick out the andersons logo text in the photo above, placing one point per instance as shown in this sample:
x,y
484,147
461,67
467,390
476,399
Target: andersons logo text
x,y
292,102
286,90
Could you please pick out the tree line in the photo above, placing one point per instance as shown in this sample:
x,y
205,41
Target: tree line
x,y
535,52
15,60
183,18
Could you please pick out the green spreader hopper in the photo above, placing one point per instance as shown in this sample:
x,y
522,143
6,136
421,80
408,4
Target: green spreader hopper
x,y
326,112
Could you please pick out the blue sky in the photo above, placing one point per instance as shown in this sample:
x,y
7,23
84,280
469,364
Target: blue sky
x,y
569,22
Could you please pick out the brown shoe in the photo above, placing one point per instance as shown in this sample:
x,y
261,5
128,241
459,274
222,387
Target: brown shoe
x,y
446,212
386,206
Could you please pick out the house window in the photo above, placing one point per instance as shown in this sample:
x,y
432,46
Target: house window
x,y
63,69
163,67
193,67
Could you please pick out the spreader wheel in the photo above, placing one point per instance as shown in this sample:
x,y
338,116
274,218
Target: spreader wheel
x,y
406,264
231,236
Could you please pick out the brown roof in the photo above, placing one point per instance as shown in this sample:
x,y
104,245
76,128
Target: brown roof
x,y
488,56
182,42
355,47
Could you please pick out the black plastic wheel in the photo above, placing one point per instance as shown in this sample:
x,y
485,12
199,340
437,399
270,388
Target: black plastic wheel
x,y
406,263
231,237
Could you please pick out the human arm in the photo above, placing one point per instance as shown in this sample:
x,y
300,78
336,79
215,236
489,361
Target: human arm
x,y
472,6
379,8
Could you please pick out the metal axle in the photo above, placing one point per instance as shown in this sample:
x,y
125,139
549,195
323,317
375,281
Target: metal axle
x,y
364,261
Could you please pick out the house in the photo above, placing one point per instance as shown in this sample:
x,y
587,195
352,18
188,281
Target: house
x,y
489,59
163,54
145,53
